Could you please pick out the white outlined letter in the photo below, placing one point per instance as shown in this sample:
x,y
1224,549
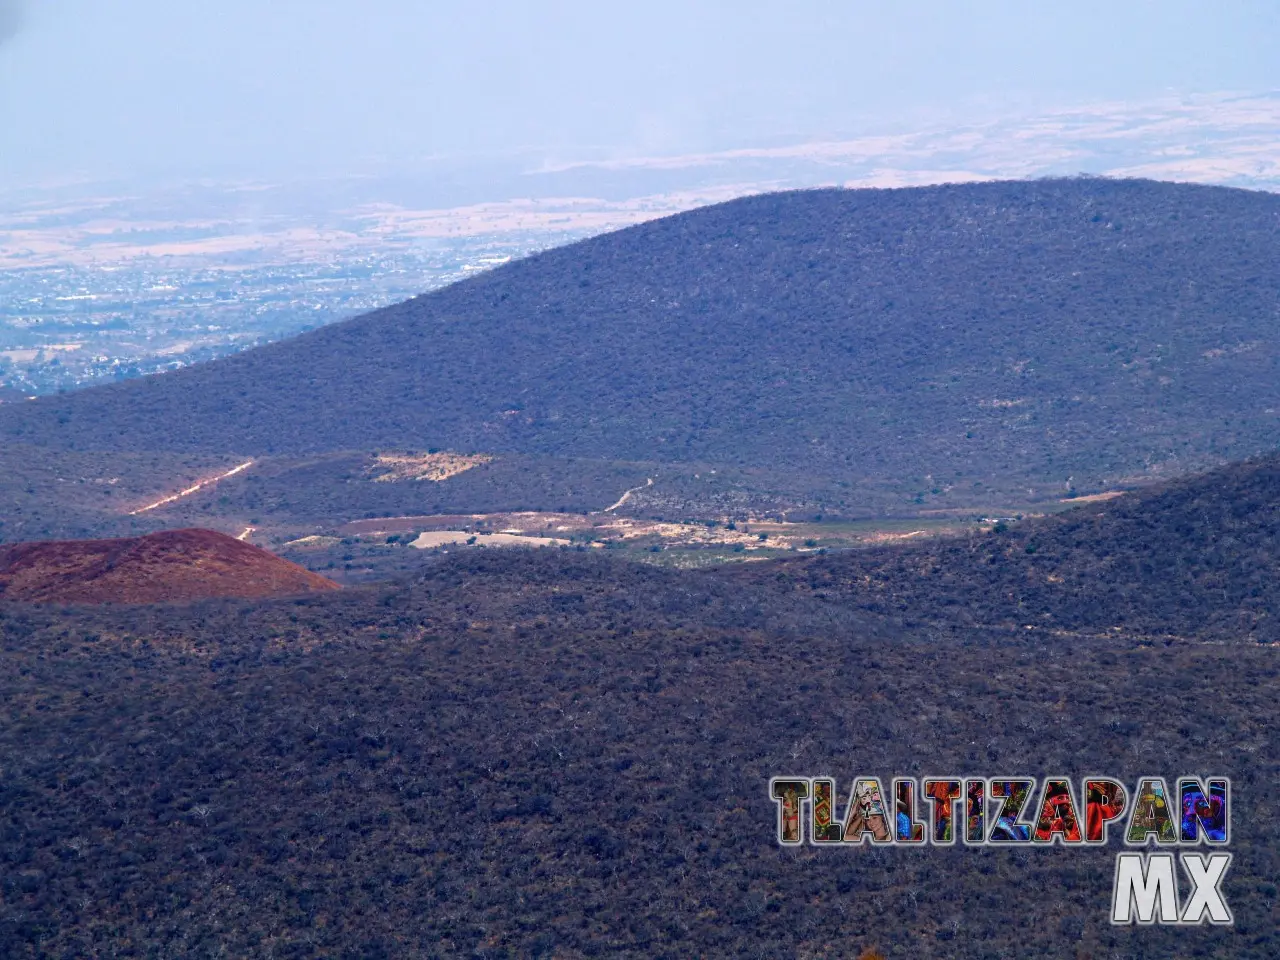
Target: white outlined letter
x,y
1142,882
1206,875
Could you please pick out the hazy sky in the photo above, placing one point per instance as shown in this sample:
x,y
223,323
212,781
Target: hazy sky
x,y
145,88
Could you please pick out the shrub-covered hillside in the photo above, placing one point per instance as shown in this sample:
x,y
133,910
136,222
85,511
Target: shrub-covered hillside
x,y
1065,331
561,755
1197,557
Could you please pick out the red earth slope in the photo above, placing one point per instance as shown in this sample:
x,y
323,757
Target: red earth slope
x,y
170,566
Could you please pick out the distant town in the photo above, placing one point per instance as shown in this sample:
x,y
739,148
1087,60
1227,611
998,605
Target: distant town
x,y
67,326
103,282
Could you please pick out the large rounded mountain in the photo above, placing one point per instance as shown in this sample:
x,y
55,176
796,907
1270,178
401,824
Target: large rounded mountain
x,y
1045,329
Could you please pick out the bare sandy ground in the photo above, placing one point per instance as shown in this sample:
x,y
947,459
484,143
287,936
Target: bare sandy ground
x,y
516,529
1094,497
426,466
445,538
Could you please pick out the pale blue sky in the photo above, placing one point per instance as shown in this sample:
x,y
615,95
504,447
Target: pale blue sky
x,y
148,88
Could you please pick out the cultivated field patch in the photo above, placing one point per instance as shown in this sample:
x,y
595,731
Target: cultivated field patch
x,y
425,466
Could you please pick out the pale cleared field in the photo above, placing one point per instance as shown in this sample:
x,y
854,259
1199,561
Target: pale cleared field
x,y
446,538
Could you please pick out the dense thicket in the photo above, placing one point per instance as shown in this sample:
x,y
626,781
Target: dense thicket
x,y
1063,331
1197,557
66,495
538,755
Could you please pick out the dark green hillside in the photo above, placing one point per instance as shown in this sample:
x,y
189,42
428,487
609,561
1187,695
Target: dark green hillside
x,y
1199,556
1060,332
555,755
61,495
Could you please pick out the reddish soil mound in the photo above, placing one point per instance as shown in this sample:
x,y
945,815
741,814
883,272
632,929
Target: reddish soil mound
x,y
171,566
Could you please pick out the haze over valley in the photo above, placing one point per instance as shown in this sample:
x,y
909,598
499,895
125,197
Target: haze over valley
x,y
107,280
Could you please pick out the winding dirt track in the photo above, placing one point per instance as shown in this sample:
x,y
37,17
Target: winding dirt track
x,y
627,496
195,488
